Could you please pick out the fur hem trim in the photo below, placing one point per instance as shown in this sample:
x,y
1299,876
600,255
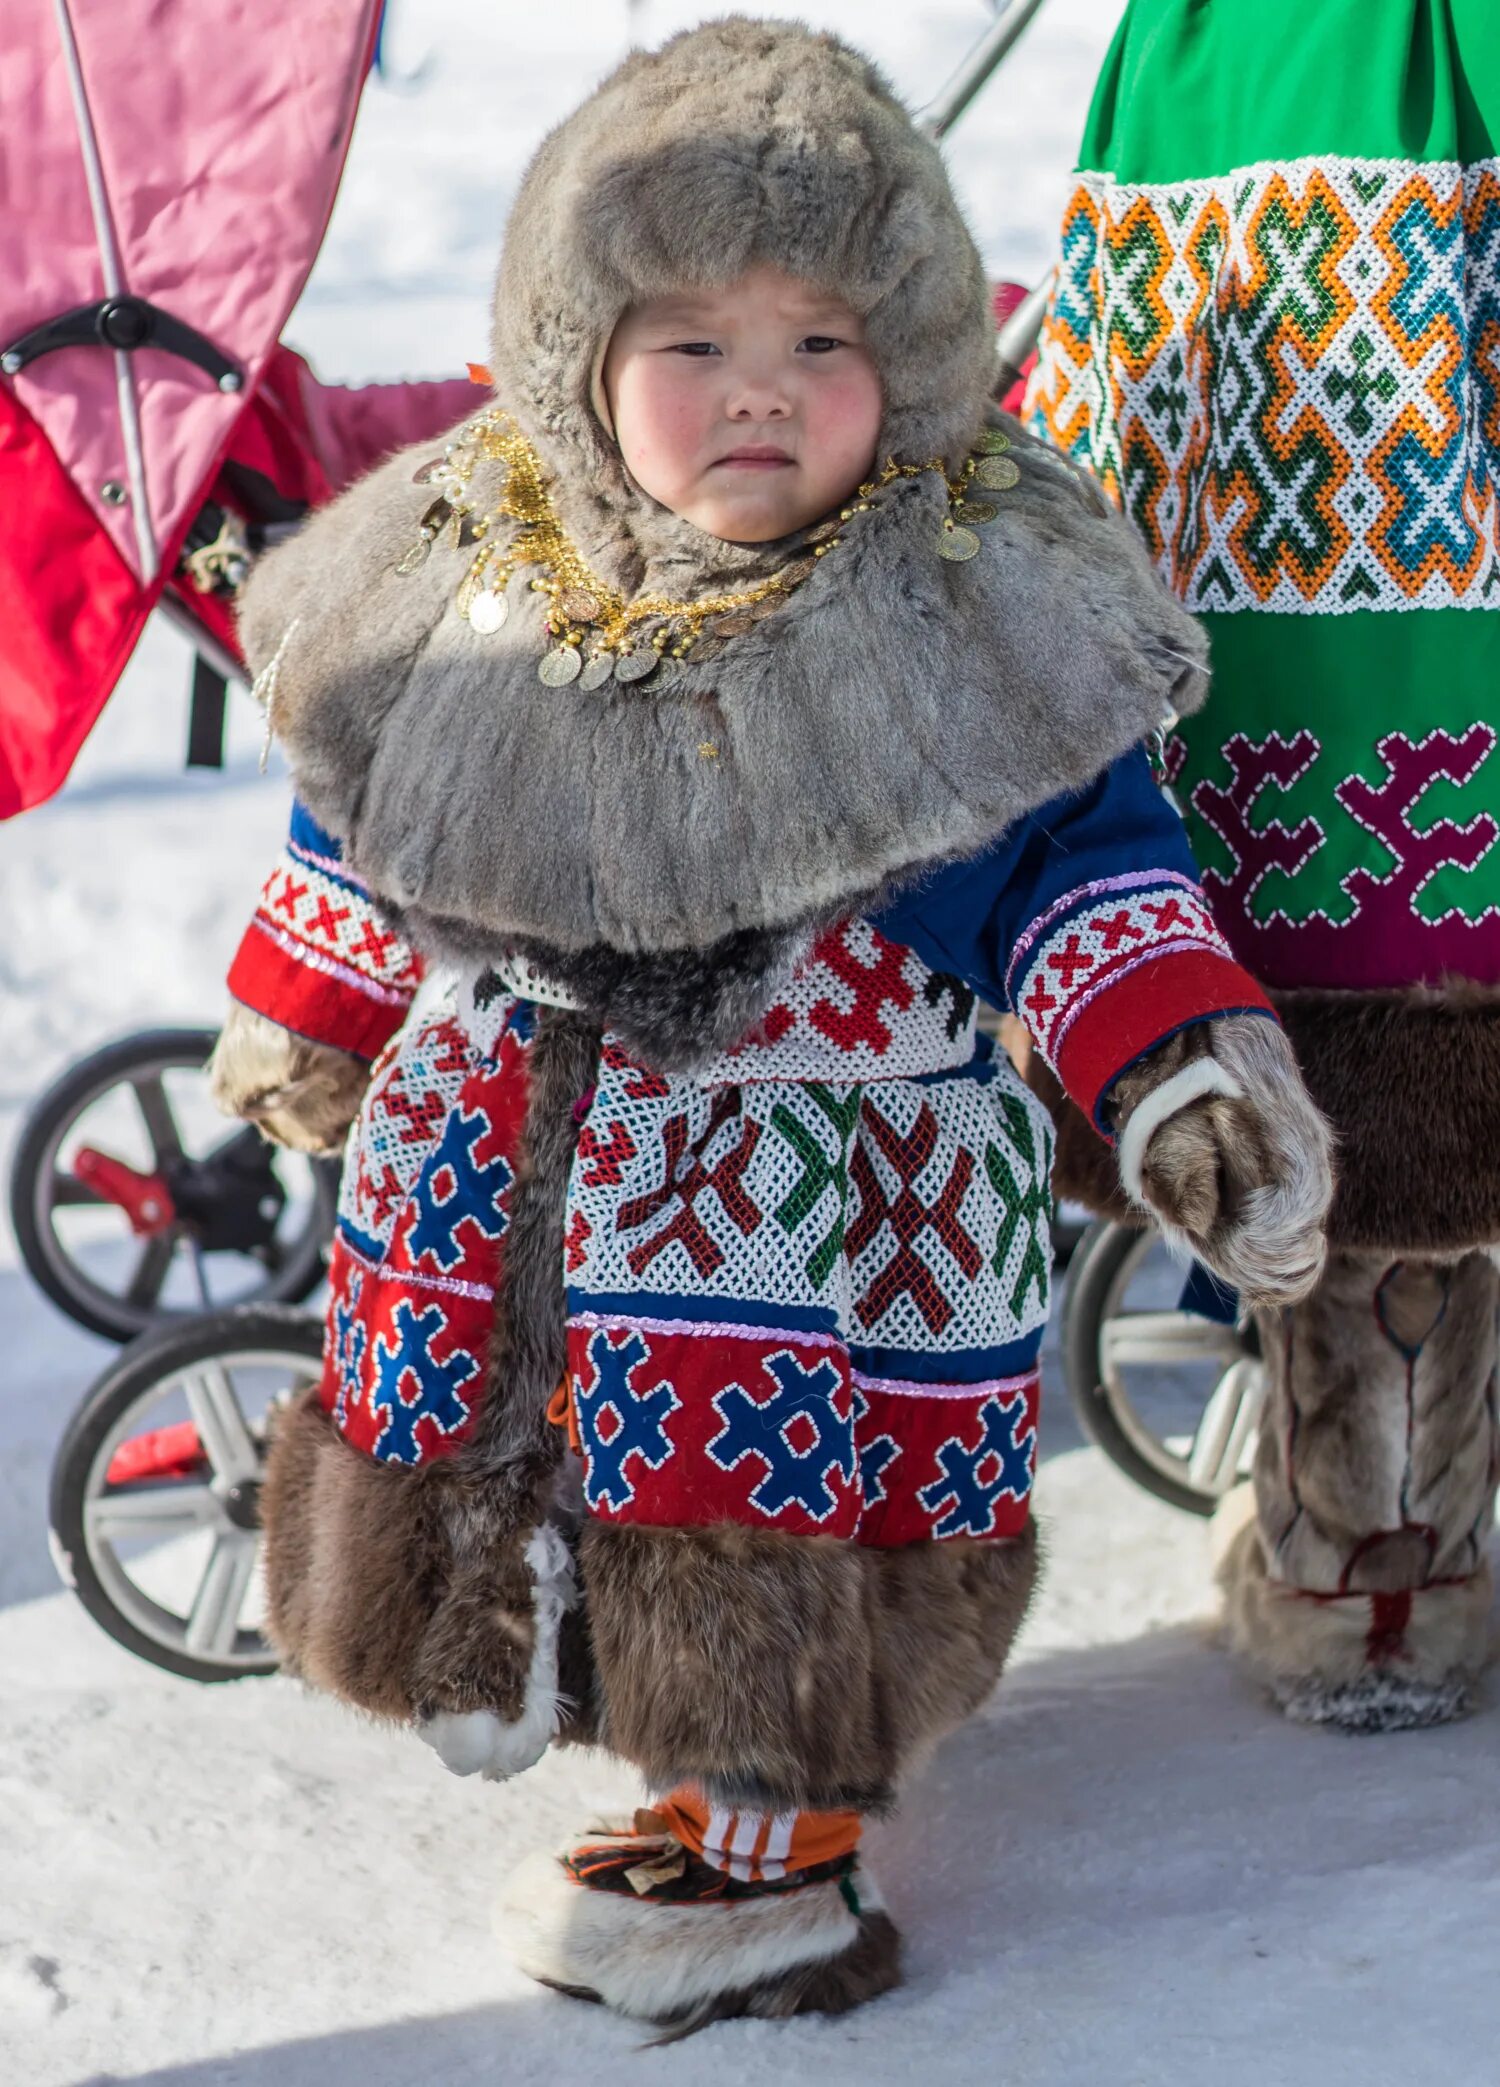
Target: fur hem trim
x,y
787,1672
1372,1661
351,1547
791,1952
1379,1703
1411,1083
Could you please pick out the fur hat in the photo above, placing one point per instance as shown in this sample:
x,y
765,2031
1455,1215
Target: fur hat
x,y
739,143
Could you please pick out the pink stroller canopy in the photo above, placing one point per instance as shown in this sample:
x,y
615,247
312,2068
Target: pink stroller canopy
x,y
168,177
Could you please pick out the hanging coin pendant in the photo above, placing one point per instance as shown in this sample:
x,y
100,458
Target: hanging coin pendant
x,y
974,511
992,442
635,666
998,473
429,471
488,611
668,669
957,544
597,671
561,666
413,560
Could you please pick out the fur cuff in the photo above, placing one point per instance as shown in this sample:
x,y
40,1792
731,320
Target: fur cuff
x,y
800,1951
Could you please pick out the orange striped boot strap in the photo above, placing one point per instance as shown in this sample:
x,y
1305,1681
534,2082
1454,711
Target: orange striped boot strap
x,y
758,1847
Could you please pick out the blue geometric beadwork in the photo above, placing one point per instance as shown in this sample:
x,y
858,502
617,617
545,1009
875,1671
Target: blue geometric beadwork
x,y
410,1386
454,1187
349,1342
974,1499
798,1434
616,1421
876,1455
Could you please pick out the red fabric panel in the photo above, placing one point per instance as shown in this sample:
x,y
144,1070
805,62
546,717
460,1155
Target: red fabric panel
x,y
1145,1008
311,1002
70,614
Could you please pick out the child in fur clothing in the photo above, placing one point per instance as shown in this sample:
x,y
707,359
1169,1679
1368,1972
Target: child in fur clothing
x,y
729,706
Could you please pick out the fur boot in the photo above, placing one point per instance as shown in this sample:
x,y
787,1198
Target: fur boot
x,y
697,1948
1359,1593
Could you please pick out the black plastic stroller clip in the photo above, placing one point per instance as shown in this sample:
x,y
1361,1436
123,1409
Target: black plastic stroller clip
x,y
124,323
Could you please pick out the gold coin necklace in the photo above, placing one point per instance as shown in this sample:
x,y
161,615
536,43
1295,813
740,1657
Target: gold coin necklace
x,y
597,634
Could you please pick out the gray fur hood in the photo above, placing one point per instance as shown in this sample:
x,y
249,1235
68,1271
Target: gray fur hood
x,y
895,711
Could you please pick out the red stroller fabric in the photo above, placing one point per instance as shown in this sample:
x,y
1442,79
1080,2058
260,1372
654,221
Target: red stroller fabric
x,y
186,158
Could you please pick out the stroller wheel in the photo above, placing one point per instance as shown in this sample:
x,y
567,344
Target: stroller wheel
x,y
135,1204
1171,1397
155,1515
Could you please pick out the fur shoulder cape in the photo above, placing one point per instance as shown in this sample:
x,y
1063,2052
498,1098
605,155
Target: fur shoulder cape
x,y
896,711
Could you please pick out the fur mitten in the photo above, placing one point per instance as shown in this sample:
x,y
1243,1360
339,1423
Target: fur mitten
x,y
1219,1139
297,1093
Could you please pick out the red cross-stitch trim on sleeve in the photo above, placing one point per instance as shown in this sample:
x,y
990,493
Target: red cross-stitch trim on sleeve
x,y
1113,968
317,958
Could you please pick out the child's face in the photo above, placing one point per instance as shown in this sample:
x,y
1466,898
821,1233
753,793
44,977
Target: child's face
x,y
750,411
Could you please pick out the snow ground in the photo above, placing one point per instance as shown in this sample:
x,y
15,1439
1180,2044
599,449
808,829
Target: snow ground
x,y
1128,1870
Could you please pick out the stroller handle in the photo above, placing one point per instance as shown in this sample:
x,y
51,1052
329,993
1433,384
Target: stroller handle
x,y
944,110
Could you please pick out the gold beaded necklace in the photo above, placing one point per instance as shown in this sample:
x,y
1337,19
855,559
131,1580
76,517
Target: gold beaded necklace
x,y
597,634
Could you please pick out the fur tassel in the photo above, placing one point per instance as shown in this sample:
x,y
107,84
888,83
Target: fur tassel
x,y
422,1593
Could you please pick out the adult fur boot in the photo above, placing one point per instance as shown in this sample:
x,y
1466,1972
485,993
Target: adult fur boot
x,y
1359,1592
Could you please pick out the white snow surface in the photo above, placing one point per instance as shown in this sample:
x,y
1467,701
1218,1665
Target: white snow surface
x,y
1127,1870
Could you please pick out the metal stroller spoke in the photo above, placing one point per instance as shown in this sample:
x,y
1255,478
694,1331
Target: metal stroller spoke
x,y
153,1264
227,1441
156,1113
213,1622
1228,1425
152,1512
1165,1338
68,1192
